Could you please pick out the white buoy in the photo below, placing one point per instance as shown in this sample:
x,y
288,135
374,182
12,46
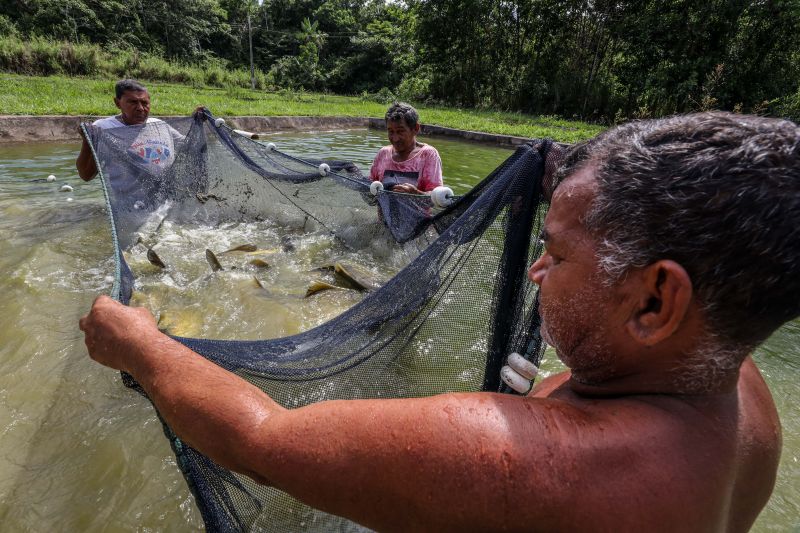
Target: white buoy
x,y
515,381
324,169
138,205
66,188
69,199
271,146
442,196
219,122
375,187
51,178
522,366
109,279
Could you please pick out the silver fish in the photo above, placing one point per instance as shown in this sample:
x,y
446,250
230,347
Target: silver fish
x,y
242,248
213,261
259,263
319,286
152,256
354,278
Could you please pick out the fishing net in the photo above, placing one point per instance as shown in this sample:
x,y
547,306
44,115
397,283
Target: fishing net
x,y
458,305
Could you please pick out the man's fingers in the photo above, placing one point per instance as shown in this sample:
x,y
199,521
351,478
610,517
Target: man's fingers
x,y
100,301
404,188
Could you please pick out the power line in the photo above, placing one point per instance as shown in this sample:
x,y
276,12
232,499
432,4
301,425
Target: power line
x,y
243,26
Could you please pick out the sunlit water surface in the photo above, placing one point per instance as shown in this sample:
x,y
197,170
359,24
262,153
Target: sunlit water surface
x,y
79,451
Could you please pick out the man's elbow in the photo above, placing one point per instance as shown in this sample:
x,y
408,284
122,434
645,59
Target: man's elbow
x,y
86,177
85,173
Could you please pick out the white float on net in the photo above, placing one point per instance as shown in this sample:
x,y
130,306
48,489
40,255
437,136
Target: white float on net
x,y
523,367
442,196
515,381
375,187
519,373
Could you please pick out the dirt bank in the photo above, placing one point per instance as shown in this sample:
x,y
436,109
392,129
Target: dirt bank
x,y
27,128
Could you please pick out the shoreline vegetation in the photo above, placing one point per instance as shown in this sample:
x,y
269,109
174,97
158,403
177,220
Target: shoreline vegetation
x,y
41,76
501,68
78,96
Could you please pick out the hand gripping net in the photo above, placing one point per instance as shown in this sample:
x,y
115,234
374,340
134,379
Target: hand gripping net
x,y
446,322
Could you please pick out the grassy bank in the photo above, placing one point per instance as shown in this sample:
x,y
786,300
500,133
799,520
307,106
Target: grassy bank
x,y
57,95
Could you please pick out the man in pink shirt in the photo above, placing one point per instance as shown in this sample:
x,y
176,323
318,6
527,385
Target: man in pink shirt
x,y
406,165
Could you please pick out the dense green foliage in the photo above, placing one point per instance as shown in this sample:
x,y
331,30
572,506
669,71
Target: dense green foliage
x,y
599,60
612,60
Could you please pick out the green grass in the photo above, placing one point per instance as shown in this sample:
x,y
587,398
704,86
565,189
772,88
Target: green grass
x,y
58,95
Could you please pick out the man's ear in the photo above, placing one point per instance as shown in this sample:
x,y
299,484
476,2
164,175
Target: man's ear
x,y
417,127
664,296
116,102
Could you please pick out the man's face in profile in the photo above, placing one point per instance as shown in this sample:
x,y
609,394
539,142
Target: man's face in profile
x,y
135,107
579,316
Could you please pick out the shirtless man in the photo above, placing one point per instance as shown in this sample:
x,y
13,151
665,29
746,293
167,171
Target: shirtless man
x,y
671,253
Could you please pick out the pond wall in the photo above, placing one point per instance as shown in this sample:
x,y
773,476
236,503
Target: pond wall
x,y
28,128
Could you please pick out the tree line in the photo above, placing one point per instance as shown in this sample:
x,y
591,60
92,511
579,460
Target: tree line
x,y
598,60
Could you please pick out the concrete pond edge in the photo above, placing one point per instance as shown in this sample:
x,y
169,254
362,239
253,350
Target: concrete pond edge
x,y
55,128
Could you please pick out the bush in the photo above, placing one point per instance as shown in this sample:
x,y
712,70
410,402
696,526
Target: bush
x,y
79,59
214,76
416,87
44,57
13,56
383,96
7,27
787,107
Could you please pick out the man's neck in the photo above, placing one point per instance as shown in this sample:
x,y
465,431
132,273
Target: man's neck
x,y
398,156
125,121
674,382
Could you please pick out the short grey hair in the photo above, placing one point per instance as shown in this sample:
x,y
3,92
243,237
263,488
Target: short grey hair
x,y
718,193
402,112
123,86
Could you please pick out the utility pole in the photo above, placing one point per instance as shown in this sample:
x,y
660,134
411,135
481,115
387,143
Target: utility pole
x,y
252,68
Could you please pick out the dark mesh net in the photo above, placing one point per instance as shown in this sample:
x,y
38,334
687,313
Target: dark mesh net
x,y
459,304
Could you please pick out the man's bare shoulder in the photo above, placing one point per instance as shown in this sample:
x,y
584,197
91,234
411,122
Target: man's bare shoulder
x,y
670,457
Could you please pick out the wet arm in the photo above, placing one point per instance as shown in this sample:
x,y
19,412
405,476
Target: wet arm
x,y
433,463
87,169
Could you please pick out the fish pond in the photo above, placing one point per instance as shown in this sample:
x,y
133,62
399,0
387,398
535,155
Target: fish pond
x,y
78,450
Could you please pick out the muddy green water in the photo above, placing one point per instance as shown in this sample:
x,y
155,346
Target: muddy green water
x,y
80,452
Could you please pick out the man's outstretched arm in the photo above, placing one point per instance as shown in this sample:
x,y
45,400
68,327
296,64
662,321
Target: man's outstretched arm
x,y
87,169
442,462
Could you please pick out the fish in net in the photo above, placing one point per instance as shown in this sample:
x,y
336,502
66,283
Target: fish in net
x,y
458,305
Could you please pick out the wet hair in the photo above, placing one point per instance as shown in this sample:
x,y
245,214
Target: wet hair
x,y
718,193
123,86
400,111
